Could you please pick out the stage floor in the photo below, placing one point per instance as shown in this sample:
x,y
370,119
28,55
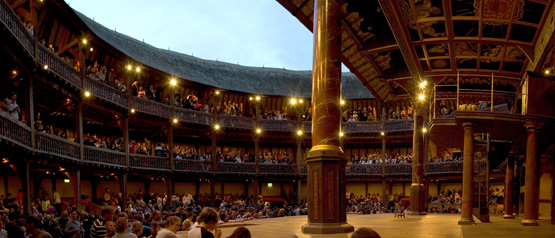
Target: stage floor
x,y
429,226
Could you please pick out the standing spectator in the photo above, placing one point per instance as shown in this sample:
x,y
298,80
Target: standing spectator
x,y
98,229
107,196
208,219
172,226
73,227
57,201
32,225
3,233
13,108
122,226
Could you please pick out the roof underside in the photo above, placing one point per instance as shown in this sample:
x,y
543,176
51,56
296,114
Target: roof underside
x,y
387,44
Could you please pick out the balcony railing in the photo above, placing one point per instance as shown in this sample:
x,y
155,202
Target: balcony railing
x,y
278,125
363,169
58,66
192,166
398,169
236,122
399,125
307,126
450,167
54,145
236,168
8,17
149,162
105,92
150,107
278,169
192,116
14,131
351,127
104,156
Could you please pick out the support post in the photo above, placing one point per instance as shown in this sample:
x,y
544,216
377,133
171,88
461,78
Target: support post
x,y
417,187
531,184
326,161
508,197
468,175
76,182
123,190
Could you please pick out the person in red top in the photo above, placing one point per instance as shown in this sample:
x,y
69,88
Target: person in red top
x,y
20,196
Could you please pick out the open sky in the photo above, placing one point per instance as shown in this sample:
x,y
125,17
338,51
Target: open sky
x,y
247,32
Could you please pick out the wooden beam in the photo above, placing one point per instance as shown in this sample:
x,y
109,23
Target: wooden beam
x,y
17,3
67,47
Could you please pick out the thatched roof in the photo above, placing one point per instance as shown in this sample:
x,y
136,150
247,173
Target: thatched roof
x,y
256,80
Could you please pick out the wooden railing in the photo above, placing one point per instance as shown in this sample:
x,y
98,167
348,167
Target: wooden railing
x,y
149,162
236,168
105,92
278,125
58,66
398,169
13,24
104,156
236,122
56,146
192,116
150,107
450,167
278,169
307,126
374,126
192,166
14,131
399,125
363,169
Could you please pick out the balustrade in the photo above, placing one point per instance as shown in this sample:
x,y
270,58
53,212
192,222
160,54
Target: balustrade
x,y
278,169
399,125
236,168
236,122
192,165
450,167
278,125
15,131
398,169
12,23
363,169
54,145
373,126
150,107
104,156
149,162
58,66
105,92
193,116
307,126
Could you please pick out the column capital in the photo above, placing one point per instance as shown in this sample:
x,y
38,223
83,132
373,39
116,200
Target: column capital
x,y
532,126
468,124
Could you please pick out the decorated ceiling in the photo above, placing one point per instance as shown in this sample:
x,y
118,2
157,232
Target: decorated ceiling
x,y
390,45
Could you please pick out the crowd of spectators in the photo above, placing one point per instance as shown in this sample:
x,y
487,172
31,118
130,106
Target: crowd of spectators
x,y
446,197
376,158
446,158
147,215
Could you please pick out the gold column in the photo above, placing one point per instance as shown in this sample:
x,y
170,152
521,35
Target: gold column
x,y
417,199
468,174
509,180
326,161
531,177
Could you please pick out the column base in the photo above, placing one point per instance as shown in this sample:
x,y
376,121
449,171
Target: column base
x,y
467,221
507,216
327,228
529,222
